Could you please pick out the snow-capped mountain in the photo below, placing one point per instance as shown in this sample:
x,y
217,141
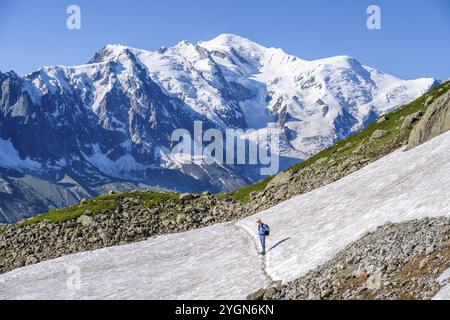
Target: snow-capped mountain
x,y
111,119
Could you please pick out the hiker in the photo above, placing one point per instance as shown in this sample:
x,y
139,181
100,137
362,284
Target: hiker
x,y
263,231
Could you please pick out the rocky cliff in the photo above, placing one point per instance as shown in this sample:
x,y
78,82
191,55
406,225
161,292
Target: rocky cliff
x,y
434,122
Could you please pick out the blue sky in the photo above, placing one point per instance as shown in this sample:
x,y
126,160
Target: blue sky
x,y
414,40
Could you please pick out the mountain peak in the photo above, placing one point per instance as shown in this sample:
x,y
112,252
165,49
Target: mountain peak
x,y
108,52
229,37
183,44
231,41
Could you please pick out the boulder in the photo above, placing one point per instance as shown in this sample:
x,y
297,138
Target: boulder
x,y
253,195
391,268
321,160
31,260
435,121
379,134
85,220
375,281
105,236
429,100
186,196
280,179
359,148
166,223
382,119
207,219
429,250
423,263
257,295
352,169
270,293
181,218
410,120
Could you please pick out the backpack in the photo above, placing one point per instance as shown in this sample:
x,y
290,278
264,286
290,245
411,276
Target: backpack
x,y
267,231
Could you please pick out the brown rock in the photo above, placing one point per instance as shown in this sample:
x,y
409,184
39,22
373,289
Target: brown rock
x,y
257,295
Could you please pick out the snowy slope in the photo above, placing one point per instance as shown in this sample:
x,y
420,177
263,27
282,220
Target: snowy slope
x,y
221,261
402,186
444,293
148,270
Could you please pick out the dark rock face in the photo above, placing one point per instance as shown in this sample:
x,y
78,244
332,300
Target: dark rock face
x,y
434,122
343,124
21,195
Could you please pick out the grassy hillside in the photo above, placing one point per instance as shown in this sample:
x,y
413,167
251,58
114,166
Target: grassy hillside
x,y
103,204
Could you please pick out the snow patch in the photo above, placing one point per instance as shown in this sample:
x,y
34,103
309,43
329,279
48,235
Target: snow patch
x,y
123,167
10,158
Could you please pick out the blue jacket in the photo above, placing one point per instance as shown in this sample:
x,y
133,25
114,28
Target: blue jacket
x,y
262,228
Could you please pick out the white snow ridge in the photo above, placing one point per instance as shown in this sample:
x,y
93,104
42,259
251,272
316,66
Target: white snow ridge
x,y
221,261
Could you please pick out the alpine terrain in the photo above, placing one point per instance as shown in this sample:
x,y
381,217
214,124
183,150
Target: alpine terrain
x,y
371,221
69,133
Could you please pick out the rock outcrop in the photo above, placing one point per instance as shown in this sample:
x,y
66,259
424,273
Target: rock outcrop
x,y
435,121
